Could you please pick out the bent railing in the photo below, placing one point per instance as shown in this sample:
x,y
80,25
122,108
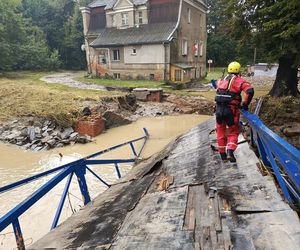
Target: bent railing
x,y
279,156
78,168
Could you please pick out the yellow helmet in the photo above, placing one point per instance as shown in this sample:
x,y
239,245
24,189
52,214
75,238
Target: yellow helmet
x,y
234,67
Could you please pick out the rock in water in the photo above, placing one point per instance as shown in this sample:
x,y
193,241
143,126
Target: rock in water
x,y
31,133
114,120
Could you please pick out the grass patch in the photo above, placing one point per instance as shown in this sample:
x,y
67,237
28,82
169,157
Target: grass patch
x,y
121,83
23,94
214,74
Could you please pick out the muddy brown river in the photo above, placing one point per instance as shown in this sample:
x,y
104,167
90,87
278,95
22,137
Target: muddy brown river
x,y
16,164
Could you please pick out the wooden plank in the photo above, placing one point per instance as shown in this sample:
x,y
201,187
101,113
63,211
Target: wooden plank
x,y
226,235
206,243
189,219
212,215
217,218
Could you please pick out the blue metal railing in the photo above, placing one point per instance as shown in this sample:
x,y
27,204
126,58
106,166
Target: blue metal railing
x,y
279,156
79,168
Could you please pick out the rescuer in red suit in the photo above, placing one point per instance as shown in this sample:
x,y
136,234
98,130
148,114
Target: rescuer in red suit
x,y
228,101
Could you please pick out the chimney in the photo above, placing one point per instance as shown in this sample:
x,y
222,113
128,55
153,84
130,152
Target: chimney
x,y
86,16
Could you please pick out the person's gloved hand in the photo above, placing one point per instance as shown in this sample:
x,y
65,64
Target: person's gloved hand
x,y
244,107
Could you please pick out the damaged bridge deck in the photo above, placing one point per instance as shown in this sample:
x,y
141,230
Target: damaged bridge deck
x,y
185,197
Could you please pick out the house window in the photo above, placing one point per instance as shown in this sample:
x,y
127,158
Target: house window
x,y
133,51
184,47
196,49
177,75
140,17
189,15
201,20
116,55
117,75
101,59
201,49
124,18
113,20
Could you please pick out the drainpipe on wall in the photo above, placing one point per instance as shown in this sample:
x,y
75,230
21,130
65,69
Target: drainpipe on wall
x,y
166,61
86,12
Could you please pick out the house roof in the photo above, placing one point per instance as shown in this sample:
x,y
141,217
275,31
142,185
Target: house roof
x,y
183,66
99,3
145,34
110,3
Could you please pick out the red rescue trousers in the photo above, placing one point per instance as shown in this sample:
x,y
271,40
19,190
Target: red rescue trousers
x,y
228,136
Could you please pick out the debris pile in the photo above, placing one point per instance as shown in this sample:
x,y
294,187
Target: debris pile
x,y
38,136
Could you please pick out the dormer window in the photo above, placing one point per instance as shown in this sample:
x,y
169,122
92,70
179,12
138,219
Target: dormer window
x,y
124,19
140,17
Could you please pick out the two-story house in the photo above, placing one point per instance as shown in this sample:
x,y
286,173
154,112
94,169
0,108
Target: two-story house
x,y
146,39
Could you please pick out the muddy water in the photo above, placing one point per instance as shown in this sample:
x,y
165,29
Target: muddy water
x,y
16,164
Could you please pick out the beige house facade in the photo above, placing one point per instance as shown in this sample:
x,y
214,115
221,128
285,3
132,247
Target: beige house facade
x,y
163,40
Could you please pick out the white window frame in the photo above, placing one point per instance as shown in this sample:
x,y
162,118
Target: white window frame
x,y
102,59
201,46
189,15
140,17
124,18
118,57
117,76
196,52
184,47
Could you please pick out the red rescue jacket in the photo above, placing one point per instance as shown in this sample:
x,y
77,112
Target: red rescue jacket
x,y
229,91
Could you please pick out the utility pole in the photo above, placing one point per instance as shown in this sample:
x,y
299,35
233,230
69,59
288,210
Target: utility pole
x,y
254,56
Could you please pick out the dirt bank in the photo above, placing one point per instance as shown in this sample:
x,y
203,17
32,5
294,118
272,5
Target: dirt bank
x,y
39,133
282,115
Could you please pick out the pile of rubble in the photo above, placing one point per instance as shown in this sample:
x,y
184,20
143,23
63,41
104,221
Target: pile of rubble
x,y
39,135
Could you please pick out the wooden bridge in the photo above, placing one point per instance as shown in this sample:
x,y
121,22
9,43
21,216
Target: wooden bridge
x,y
185,197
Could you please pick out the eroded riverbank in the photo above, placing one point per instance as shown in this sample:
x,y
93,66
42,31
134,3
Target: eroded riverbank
x,y
17,164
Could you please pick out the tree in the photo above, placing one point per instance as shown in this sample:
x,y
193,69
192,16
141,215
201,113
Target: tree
x,y
274,26
222,47
23,45
61,23
71,51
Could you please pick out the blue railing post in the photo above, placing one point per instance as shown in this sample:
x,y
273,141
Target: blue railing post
x,y
80,173
132,148
62,201
118,170
18,235
100,179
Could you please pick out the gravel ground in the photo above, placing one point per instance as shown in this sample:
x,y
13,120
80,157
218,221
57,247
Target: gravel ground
x,y
261,81
67,78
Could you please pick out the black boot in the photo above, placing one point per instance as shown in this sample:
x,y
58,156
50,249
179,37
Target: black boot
x,y
230,155
223,156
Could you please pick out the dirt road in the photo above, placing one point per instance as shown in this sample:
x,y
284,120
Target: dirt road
x,y
67,78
